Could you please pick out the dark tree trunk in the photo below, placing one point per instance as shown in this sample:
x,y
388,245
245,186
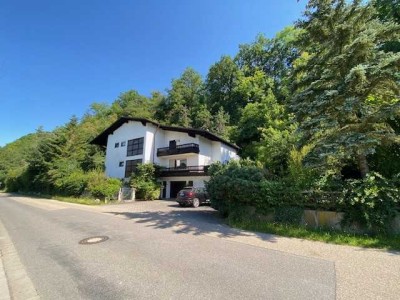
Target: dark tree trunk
x,y
363,165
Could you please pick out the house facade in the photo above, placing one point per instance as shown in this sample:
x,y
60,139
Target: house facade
x,y
182,153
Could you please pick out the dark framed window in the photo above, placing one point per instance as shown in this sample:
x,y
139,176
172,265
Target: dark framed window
x,y
135,147
130,166
123,144
121,163
116,145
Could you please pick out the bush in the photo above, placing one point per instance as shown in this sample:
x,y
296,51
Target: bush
x,y
144,181
100,186
371,202
289,215
234,185
72,184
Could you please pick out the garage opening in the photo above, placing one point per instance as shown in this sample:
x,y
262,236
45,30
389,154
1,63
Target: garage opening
x,y
176,186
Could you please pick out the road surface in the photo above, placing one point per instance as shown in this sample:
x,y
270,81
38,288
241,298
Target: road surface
x,y
151,255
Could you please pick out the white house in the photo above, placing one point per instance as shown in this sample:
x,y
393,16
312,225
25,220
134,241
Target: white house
x,y
183,153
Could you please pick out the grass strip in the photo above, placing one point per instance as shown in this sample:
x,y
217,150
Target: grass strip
x,y
388,242
77,200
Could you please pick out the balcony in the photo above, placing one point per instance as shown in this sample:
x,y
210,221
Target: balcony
x,y
178,149
184,171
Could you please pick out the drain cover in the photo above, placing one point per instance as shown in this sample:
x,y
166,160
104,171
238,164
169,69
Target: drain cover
x,y
93,240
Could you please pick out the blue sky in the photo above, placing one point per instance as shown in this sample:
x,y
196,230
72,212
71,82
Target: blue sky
x,y
58,57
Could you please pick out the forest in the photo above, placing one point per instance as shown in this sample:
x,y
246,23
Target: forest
x,y
315,108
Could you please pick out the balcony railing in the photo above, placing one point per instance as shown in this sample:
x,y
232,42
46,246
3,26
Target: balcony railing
x,y
179,149
184,171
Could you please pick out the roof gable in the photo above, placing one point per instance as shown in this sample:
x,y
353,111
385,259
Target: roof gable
x,y
101,139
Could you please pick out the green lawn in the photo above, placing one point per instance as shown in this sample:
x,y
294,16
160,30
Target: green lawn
x,y
391,242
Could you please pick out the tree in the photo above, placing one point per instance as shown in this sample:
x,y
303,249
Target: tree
x,y
347,89
274,57
221,83
389,10
220,123
132,104
266,132
183,100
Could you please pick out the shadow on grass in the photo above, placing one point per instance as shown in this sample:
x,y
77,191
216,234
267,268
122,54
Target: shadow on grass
x,y
189,221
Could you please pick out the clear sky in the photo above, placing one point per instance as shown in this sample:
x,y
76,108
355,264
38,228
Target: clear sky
x,y
58,57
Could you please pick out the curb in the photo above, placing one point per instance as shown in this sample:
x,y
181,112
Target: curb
x,y
4,291
18,285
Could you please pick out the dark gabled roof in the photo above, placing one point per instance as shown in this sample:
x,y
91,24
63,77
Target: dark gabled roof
x,y
101,139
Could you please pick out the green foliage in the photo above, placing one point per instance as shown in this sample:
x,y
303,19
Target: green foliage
x,y
274,57
183,99
132,104
240,184
389,242
347,89
300,176
221,83
371,202
145,183
100,186
234,185
73,183
289,215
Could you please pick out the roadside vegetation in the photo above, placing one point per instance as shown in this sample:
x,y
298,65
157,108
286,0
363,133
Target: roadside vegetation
x,y
327,235
315,111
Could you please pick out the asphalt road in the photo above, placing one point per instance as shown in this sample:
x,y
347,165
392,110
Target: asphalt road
x,y
151,255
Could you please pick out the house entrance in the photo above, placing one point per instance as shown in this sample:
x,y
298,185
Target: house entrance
x,y
176,186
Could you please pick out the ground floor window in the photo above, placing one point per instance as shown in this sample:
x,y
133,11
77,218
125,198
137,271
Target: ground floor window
x,y
130,166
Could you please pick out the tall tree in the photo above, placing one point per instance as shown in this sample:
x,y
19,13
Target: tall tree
x,y
273,56
347,88
221,83
389,10
131,103
183,99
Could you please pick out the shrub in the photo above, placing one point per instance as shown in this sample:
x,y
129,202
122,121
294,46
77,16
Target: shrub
x,y
289,215
300,176
234,185
18,180
144,181
371,202
72,184
101,186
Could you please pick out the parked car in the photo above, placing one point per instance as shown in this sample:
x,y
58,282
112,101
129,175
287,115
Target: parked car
x,y
193,196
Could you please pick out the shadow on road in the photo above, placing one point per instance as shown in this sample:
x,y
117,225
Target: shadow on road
x,y
189,221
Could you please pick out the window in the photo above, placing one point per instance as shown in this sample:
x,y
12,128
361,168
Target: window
x,y
181,163
123,144
135,147
178,163
121,163
116,145
130,166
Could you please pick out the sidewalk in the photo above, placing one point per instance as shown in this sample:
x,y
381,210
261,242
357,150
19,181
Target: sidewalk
x,y
4,291
17,283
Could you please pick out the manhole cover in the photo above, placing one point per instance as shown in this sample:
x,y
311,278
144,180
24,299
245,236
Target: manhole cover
x,y
93,240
